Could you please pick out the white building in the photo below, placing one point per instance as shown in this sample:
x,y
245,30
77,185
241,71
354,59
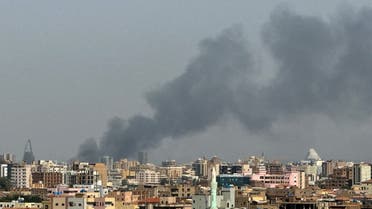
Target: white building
x,y
76,203
200,167
20,175
311,172
213,201
20,204
225,200
361,173
147,176
3,170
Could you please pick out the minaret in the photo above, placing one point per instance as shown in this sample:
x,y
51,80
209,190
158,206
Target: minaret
x,y
213,189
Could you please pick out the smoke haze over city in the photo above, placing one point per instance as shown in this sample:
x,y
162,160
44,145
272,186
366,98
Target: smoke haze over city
x,y
286,81
324,67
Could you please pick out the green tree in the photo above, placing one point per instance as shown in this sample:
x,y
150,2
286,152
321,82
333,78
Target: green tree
x,y
5,183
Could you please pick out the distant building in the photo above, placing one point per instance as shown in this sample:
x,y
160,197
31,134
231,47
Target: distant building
x,y
366,187
225,180
87,174
231,169
108,161
7,158
28,155
275,168
361,173
311,173
182,190
226,199
101,169
171,173
148,177
3,170
169,163
142,157
200,167
293,178
65,202
47,179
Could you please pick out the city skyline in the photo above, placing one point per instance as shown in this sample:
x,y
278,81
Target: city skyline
x,y
66,71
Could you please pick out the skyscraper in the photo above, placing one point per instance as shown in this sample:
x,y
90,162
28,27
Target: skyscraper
x,y
142,157
28,155
108,161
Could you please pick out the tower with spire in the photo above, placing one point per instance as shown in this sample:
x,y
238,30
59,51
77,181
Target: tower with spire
x,y
28,155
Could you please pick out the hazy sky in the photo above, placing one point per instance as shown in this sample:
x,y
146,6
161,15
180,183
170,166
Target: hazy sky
x,y
67,67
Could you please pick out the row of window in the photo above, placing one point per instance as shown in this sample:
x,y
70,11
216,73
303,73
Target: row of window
x,y
71,204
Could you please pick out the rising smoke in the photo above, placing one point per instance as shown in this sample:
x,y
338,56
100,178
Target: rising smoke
x,y
324,67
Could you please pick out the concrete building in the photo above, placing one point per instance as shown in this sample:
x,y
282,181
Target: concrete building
x,y
108,161
275,168
7,158
292,178
20,204
125,164
231,169
366,187
171,172
147,176
20,175
200,167
169,163
343,172
182,190
101,203
69,202
213,201
47,179
311,173
3,170
49,166
335,183
101,169
77,202
225,180
142,157
328,167
361,173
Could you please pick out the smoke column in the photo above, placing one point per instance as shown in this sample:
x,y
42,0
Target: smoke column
x,y
324,67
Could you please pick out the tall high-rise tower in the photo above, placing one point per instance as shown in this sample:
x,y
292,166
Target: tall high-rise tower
x,y
142,157
28,155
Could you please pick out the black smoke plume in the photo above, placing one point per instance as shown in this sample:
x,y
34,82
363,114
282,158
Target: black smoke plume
x,y
323,67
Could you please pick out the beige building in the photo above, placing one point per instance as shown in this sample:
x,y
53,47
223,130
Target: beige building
x,y
101,169
124,200
148,177
16,204
171,173
20,176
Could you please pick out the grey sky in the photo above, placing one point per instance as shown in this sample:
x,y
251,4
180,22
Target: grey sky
x,y
67,67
